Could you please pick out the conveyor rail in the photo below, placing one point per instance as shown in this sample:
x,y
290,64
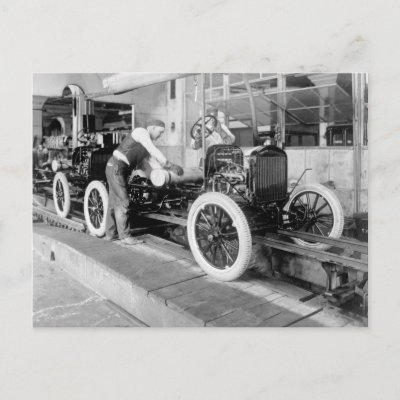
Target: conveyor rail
x,y
279,240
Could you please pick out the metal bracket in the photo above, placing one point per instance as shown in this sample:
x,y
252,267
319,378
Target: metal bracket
x,y
298,180
361,290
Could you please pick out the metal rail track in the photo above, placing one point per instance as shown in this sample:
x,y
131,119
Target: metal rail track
x,y
351,255
348,253
73,223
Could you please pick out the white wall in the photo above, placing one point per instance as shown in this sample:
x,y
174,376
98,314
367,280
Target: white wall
x,y
330,164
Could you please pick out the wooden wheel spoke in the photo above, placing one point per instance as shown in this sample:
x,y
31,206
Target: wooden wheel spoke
x,y
301,203
205,219
325,215
317,226
325,224
298,209
220,214
229,235
308,198
226,252
214,253
202,227
227,243
212,214
317,196
322,207
325,221
93,218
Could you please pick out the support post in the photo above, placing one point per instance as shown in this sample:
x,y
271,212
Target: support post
x,y
133,116
203,128
256,137
225,80
281,110
358,86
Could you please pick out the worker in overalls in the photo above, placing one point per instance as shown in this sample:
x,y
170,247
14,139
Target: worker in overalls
x,y
133,150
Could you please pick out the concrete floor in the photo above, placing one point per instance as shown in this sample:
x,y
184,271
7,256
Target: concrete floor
x,y
59,300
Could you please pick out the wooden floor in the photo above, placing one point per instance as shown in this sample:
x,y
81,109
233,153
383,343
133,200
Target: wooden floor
x,y
250,301
178,293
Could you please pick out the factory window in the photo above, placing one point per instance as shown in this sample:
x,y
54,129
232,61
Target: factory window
x,y
339,135
297,139
214,87
302,136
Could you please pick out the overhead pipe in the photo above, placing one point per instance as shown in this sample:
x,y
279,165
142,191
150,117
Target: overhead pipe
x,y
125,82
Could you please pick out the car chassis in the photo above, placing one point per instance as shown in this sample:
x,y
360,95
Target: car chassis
x,y
220,205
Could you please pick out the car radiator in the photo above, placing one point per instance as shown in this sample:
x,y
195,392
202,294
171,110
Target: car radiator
x,y
271,176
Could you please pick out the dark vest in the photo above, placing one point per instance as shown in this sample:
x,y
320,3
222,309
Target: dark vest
x,y
134,151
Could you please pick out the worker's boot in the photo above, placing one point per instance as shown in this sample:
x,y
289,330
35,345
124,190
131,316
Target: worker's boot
x,y
111,238
131,240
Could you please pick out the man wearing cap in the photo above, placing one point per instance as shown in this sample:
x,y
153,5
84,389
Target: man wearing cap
x,y
133,150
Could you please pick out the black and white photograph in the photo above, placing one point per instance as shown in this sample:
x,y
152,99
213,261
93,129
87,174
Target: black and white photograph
x,y
225,173
200,199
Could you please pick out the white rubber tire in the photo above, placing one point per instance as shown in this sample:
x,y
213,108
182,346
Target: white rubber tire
x,y
101,189
62,179
336,207
244,235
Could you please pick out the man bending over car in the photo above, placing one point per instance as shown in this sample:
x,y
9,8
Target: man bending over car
x,y
133,150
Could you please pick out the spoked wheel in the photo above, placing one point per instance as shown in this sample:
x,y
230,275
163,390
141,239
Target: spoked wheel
x,y
219,236
318,211
95,208
61,195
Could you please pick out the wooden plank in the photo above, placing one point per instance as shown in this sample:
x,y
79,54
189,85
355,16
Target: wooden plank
x,y
166,245
248,316
151,251
282,287
209,304
140,264
242,283
307,323
259,290
291,311
328,319
262,300
184,288
283,319
146,270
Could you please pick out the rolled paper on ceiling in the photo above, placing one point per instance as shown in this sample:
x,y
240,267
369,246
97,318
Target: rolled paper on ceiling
x,y
162,177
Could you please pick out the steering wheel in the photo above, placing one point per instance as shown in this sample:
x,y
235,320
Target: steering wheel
x,y
197,126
